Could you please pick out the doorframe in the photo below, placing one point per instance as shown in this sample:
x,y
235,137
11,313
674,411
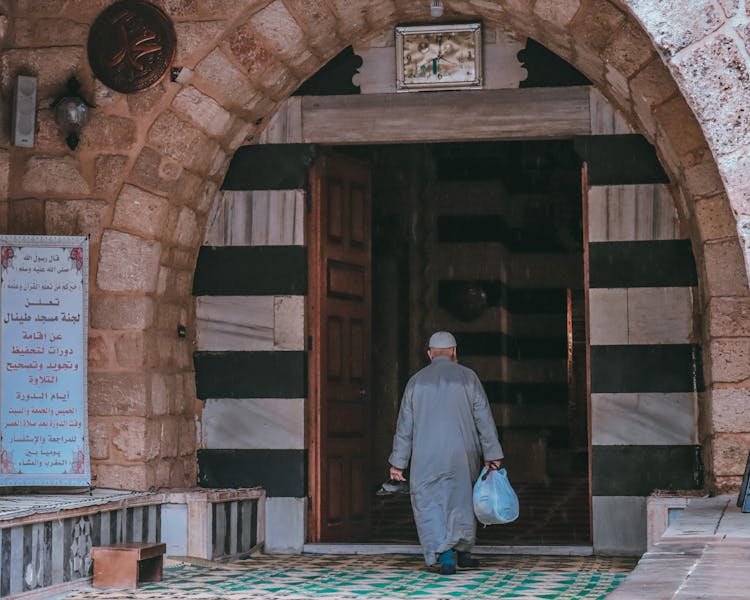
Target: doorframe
x,y
376,133
587,313
314,372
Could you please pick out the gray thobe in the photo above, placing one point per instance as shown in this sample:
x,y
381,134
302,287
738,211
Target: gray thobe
x,y
445,428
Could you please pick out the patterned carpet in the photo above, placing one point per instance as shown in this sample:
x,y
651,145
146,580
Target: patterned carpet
x,y
391,576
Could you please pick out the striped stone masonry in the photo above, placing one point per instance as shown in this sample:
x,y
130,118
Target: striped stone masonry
x,y
250,359
646,369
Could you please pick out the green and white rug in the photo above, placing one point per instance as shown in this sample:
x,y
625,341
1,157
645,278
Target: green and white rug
x,y
391,576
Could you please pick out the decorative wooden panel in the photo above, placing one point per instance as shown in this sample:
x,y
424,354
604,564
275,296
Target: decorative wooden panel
x,y
335,348
335,211
360,502
346,280
334,510
358,227
357,350
346,418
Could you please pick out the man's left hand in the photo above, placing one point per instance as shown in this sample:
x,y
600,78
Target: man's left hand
x,y
493,465
397,474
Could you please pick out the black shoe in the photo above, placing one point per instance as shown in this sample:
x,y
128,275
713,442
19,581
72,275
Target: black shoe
x,y
447,562
465,561
393,487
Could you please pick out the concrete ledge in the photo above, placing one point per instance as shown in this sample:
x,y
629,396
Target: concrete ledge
x,y
703,554
200,523
660,511
699,521
56,532
28,509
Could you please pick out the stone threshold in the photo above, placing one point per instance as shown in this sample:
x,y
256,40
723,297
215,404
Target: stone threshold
x,y
416,549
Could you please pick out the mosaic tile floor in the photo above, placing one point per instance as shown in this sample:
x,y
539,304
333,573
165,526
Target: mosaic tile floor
x,y
391,576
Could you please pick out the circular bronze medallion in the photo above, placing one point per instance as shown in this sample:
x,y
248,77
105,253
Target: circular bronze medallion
x,y
131,46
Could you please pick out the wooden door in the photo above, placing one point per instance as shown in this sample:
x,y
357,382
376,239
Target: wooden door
x,y
339,316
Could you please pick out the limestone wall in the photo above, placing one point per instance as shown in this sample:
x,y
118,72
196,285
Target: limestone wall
x,y
676,69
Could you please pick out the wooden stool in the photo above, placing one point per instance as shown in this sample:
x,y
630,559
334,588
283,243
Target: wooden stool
x,y
124,565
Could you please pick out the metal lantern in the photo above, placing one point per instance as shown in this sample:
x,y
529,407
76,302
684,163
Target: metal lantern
x,y
72,112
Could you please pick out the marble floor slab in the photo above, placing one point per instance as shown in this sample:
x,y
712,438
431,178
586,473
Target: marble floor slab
x,y
703,555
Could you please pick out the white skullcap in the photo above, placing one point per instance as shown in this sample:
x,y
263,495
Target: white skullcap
x,y
442,339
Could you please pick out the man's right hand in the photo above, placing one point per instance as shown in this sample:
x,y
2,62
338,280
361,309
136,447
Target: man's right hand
x,y
397,474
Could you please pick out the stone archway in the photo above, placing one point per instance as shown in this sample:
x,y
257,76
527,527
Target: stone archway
x,y
150,165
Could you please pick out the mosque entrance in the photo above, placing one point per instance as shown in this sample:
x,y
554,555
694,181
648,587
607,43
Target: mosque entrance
x,y
485,240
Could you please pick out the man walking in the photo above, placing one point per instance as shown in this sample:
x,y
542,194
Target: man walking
x,y
444,428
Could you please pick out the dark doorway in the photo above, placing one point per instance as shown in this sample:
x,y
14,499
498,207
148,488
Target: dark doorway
x,y
485,240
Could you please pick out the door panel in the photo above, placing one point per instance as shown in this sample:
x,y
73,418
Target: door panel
x,y
346,281
357,351
360,502
359,212
339,313
335,479
335,346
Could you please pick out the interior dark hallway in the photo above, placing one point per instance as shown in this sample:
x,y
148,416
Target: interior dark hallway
x,y
485,240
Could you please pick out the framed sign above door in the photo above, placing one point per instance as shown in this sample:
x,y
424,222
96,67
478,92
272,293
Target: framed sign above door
x,y
438,57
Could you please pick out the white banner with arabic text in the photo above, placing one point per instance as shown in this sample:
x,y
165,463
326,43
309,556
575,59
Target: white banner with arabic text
x,y
43,353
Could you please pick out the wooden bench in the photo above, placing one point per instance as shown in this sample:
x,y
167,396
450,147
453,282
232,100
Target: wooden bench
x,y
124,565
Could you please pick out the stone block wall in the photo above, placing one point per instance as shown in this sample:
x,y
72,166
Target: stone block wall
x,y
166,150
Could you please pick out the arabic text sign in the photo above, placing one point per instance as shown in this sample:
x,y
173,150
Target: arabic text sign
x,y
43,337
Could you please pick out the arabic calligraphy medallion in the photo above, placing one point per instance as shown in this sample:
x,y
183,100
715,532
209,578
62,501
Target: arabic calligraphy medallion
x,y
131,46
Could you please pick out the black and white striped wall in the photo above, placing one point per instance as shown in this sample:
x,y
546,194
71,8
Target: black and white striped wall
x,y
251,365
645,363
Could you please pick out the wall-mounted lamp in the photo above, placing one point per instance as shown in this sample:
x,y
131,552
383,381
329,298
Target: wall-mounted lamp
x,y
71,112
436,8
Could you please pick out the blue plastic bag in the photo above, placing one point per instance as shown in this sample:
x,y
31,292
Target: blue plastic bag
x,y
495,502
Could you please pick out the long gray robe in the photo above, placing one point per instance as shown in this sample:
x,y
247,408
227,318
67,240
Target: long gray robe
x,y
445,428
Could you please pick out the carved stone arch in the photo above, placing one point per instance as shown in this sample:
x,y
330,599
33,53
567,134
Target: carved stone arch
x,y
144,179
